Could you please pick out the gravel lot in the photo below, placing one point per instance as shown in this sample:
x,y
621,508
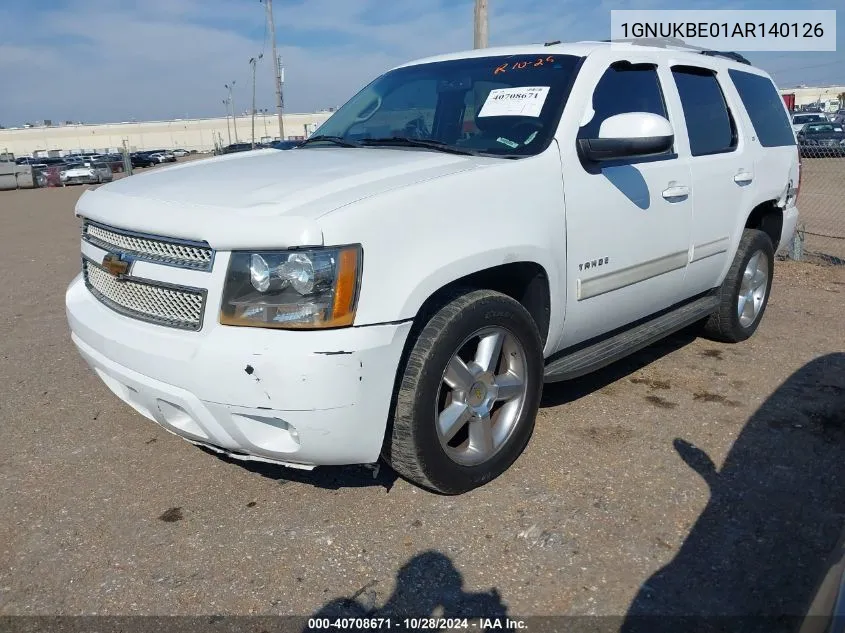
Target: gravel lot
x,y
693,477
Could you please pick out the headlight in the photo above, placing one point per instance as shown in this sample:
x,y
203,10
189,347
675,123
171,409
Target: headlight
x,y
301,289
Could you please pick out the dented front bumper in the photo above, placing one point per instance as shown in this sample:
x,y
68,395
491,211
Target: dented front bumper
x,y
301,398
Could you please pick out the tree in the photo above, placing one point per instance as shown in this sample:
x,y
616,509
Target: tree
x,y
841,97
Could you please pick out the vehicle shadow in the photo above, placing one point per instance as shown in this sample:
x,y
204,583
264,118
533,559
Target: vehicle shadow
x,y
428,585
755,555
326,477
558,393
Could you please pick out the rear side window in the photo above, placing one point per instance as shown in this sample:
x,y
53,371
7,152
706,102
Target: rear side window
x,y
710,125
765,108
623,88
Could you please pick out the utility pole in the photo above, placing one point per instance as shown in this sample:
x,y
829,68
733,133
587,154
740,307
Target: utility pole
x,y
277,66
234,115
228,129
127,159
254,61
480,36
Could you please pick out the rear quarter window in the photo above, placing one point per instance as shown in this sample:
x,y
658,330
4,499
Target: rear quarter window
x,y
765,108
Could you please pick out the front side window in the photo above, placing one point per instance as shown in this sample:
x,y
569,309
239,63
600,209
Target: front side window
x,y
624,88
710,126
503,106
765,108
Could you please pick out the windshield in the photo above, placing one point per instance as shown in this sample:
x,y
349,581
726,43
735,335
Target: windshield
x,y
503,105
807,118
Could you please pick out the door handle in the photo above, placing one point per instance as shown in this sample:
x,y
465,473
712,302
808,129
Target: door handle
x,y
676,191
743,177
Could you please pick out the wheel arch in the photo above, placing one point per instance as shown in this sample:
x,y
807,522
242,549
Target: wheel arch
x,y
767,216
528,280
524,281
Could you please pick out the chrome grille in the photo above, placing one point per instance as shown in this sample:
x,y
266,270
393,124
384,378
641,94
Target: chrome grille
x,y
156,302
161,250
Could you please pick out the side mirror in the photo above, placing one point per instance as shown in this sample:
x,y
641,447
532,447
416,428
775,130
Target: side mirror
x,y
628,135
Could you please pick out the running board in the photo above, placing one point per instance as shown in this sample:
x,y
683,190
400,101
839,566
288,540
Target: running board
x,y
609,350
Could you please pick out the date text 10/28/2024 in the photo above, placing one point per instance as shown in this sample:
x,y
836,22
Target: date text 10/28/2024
x,y
416,624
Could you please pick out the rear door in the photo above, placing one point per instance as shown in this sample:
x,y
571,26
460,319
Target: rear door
x,y
723,172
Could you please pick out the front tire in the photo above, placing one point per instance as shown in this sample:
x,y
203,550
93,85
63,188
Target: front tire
x,y
468,395
744,294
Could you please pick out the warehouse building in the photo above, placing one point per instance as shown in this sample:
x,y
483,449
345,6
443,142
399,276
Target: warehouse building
x,y
191,134
826,97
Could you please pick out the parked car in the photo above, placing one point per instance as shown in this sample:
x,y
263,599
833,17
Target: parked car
x,y
93,173
237,147
800,120
405,282
178,153
162,157
285,144
140,159
822,140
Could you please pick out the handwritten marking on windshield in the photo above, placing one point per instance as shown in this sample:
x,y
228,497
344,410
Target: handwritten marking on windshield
x,y
540,61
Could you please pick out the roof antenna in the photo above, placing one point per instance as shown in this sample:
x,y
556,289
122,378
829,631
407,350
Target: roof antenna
x,y
552,43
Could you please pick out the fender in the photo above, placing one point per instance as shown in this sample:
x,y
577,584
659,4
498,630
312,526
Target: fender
x,y
422,237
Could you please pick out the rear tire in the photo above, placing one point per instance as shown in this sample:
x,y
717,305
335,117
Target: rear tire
x,y
468,395
744,294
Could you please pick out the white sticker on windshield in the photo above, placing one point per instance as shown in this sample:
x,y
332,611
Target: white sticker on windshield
x,y
522,101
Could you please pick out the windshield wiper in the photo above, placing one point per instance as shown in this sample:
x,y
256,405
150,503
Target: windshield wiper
x,y
403,141
337,140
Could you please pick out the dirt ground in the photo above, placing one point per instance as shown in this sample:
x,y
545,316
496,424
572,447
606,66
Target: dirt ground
x,y
693,477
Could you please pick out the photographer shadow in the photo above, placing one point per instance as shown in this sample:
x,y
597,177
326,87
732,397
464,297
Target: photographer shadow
x,y
757,552
428,585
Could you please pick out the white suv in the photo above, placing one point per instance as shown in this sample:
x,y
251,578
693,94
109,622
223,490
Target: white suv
x,y
464,229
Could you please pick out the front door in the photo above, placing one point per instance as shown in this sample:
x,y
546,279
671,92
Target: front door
x,y
627,223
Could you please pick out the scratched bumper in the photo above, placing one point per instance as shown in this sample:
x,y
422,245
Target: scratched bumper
x,y
299,398
790,222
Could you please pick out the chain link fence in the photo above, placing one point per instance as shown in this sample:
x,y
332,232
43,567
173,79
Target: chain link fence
x,y
820,236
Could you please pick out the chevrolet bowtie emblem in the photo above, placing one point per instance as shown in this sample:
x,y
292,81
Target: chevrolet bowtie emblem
x,y
115,264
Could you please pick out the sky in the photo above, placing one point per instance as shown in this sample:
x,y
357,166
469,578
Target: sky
x,y
121,60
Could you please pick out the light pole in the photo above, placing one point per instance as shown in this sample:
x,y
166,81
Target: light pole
x,y
228,129
234,115
254,61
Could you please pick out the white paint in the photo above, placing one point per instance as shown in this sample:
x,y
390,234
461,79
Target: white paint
x,y
635,125
424,219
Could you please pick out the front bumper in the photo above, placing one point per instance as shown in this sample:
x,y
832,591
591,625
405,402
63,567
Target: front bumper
x,y
79,180
790,223
297,398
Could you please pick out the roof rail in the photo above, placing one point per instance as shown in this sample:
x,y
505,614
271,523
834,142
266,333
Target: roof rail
x,y
674,42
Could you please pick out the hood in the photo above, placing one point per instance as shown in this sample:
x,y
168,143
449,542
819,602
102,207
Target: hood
x,y
231,200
